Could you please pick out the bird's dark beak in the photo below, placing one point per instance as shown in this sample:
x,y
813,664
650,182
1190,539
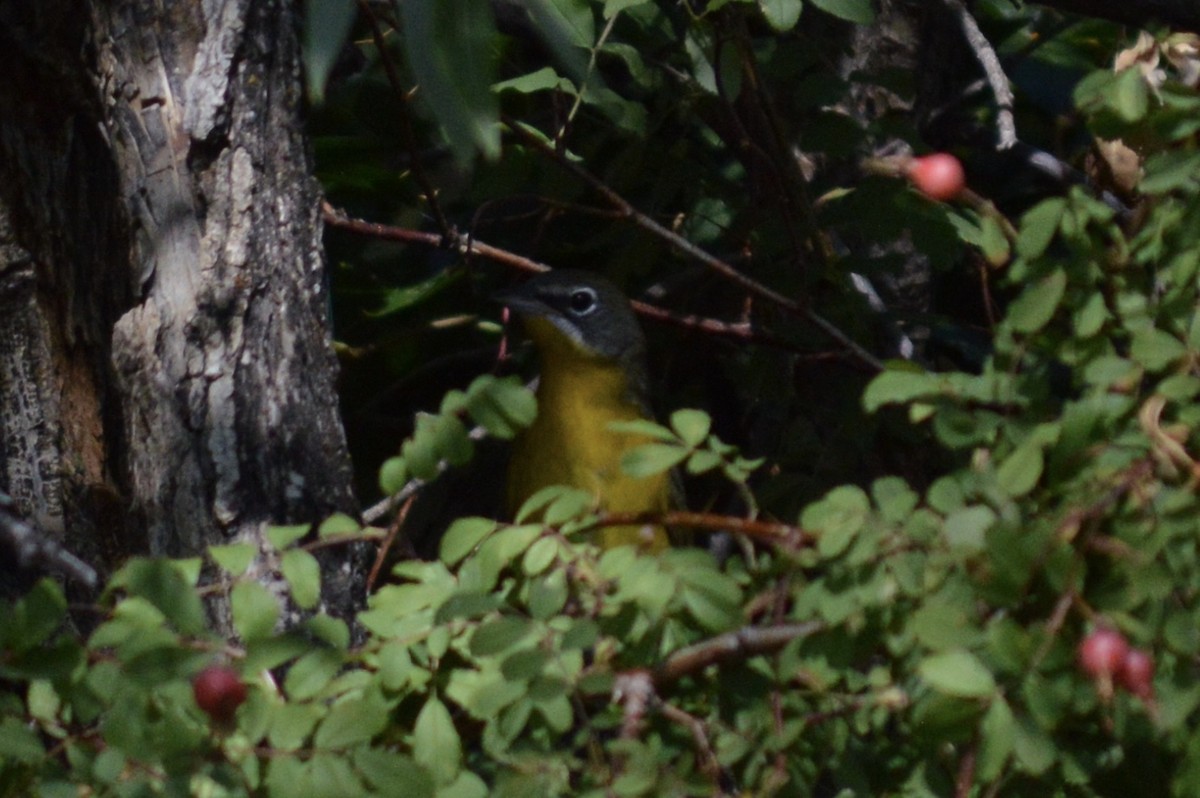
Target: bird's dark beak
x,y
519,300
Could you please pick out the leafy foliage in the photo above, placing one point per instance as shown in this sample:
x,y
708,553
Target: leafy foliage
x,y
950,525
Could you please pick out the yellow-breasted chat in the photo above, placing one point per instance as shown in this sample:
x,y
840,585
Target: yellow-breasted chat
x,y
592,355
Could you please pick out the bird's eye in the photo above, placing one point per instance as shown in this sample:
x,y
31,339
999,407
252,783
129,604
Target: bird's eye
x,y
582,301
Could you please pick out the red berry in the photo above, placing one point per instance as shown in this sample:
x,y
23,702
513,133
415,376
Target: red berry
x,y
1136,673
1102,652
219,691
938,176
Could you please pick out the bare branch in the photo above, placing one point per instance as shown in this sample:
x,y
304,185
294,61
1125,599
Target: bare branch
x,y
741,644
1007,127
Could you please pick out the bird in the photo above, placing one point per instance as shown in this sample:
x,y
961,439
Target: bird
x,y
593,372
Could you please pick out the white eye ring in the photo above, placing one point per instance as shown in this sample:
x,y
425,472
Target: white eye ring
x,y
582,301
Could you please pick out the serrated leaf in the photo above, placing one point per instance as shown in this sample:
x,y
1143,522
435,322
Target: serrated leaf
x,y
958,673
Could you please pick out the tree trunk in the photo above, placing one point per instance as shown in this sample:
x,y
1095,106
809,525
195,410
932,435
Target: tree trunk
x,y
165,360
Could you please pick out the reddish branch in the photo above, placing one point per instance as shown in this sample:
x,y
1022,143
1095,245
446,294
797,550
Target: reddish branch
x,y
786,535
468,246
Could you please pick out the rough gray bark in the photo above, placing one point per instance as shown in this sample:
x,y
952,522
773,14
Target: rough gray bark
x,y
152,158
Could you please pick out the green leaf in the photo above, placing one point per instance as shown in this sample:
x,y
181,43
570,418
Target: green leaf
x,y
326,26
614,7
396,300
652,458
859,11
898,386
303,575
338,524
994,242
393,475
1156,349
254,610
837,519
965,528
1039,226
1129,96
894,498
692,426
958,673
436,743
781,15
544,79
162,584
353,720
503,407
645,428
392,773
450,47
499,634
462,537
1021,470
234,558
1034,308
283,536
540,555
18,743
999,731
310,674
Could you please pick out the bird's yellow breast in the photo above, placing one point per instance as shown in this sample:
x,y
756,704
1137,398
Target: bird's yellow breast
x,y
570,442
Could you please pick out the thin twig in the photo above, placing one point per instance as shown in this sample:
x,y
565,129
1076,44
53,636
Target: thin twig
x,y
966,771
1005,124
786,535
707,757
591,69
410,139
680,243
737,331
413,486
739,644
